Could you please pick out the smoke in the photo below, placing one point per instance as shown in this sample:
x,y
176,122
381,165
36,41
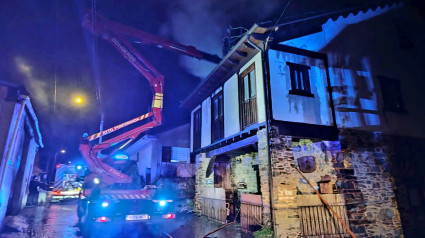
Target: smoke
x,y
203,24
35,85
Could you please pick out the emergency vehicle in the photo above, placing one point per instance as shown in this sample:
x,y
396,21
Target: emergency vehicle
x,y
111,190
68,182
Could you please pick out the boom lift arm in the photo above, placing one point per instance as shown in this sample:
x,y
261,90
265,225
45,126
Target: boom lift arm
x,y
115,34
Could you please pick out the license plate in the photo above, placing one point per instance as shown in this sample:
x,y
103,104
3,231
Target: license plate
x,y
137,217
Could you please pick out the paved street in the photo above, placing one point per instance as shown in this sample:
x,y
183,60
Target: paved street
x,y
59,220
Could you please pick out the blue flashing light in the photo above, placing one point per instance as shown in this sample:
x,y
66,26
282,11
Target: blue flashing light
x,y
120,157
79,167
105,204
162,203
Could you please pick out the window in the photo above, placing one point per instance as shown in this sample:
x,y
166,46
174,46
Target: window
x,y
197,122
217,117
248,97
166,154
391,94
175,154
148,175
300,81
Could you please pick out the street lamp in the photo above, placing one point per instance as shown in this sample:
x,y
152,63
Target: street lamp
x,y
78,100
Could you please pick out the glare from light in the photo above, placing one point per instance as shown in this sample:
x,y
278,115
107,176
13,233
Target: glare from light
x,y
105,204
63,151
120,157
79,167
103,219
69,162
78,100
96,181
162,203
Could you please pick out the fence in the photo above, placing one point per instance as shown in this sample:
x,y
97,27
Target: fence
x,y
318,221
214,208
251,212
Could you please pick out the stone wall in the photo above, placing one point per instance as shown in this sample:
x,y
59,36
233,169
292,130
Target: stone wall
x,y
408,166
264,168
363,170
243,172
358,171
290,190
201,181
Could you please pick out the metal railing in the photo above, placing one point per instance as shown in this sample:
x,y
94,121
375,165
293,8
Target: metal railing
x,y
249,112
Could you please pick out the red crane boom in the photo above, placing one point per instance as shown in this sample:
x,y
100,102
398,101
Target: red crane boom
x,y
115,34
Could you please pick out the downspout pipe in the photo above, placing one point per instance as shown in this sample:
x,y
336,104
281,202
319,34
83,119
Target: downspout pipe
x,y
268,118
12,140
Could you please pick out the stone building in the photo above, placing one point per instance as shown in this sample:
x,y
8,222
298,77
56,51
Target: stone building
x,y
331,96
20,140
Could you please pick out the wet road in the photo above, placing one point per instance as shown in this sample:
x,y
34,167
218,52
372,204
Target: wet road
x,y
59,220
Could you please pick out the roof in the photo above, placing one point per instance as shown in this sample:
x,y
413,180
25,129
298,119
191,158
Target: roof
x,y
253,42
16,93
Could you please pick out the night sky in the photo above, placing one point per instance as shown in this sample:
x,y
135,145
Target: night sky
x,y
43,41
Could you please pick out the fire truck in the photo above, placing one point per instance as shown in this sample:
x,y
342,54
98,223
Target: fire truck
x,y
111,190
68,182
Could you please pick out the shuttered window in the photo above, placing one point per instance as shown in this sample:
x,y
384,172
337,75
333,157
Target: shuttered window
x,y
197,122
217,120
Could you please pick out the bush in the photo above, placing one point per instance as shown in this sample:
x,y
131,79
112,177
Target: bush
x,y
264,232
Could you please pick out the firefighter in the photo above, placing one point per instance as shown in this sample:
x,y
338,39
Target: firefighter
x,y
33,191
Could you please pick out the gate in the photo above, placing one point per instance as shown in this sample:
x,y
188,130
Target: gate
x,y
316,219
251,212
214,204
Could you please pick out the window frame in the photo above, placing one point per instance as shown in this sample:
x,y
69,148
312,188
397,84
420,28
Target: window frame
x,y
305,81
197,135
385,96
220,118
252,100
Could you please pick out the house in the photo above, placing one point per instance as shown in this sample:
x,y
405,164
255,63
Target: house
x,y
332,96
20,140
165,155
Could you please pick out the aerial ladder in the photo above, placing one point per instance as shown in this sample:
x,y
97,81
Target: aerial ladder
x,y
117,35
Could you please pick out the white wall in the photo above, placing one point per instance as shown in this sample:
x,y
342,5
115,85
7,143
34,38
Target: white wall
x,y
145,158
295,108
12,161
206,122
368,45
231,106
